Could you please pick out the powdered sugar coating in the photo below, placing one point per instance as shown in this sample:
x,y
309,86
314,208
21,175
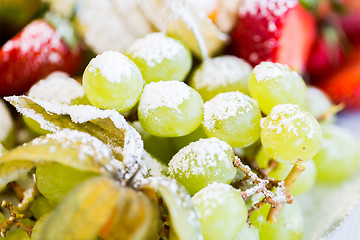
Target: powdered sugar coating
x,y
84,142
264,7
203,152
169,94
155,47
290,118
6,122
58,87
221,71
268,71
290,134
225,106
113,66
110,25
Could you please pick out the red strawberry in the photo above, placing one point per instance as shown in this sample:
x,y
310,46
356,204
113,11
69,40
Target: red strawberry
x,y
344,86
326,56
350,24
273,30
31,55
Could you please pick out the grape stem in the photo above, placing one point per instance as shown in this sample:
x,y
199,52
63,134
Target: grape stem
x,y
334,109
19,212
288,182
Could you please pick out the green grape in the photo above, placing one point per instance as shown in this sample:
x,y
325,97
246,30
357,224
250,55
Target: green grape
x,y
272,84
17,234
170,109
232,117
160,58
7,133
180,142
221,74
289,224
56,88
41,206
36,231
318,103
290,134
338,158
54,181
248,232
203,162
221,211
161,148
111,80
303,183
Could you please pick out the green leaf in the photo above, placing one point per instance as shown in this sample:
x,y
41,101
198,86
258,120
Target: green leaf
x,y
184,222
68,147
107,125
137,217
83,212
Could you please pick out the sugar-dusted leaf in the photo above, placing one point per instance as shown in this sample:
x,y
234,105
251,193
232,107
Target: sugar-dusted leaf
x,y
71,148
137,217
194,28
83,211
184,222
107,125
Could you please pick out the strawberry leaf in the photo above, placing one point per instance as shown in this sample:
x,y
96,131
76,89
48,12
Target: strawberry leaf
x,y
184,222
107,125
83,211
68,147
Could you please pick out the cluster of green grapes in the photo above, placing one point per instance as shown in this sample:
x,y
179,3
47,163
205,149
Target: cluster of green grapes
x,y
191,127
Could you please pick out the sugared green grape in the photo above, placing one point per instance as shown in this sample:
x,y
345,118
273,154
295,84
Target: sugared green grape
x,y
317,102
160,58
221,74
290,134
7,134
303,183
170,109
54,181
338,157
111,80
155,168
203,162
248,232
273,83
232,117
289,224
221,210
41,206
